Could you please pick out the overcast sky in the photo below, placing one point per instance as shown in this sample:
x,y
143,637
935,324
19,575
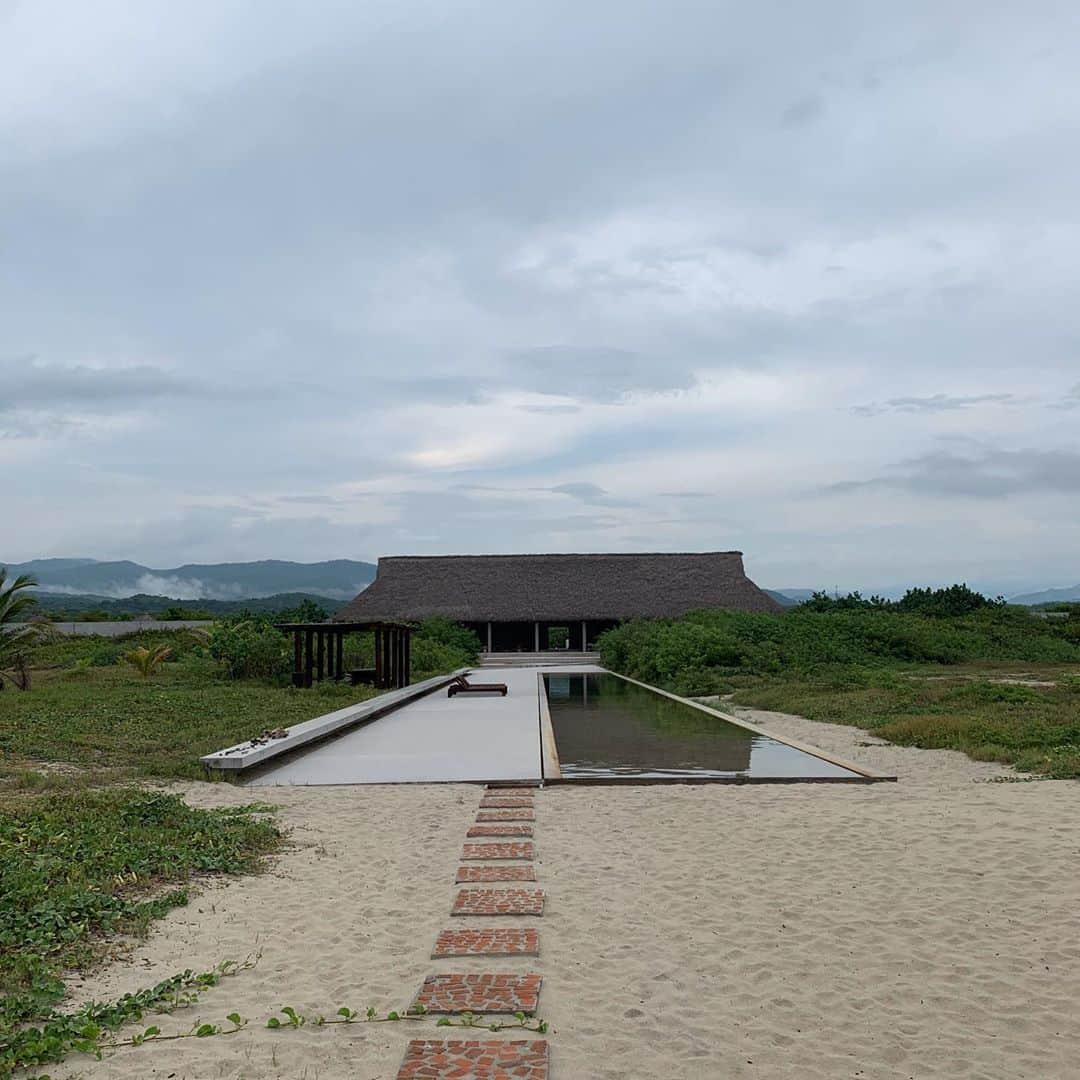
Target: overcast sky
x,y
327,279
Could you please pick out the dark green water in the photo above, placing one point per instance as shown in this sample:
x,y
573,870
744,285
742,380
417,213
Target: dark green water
x,y
607,727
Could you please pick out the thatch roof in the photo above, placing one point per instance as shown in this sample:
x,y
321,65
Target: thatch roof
x,y
510,588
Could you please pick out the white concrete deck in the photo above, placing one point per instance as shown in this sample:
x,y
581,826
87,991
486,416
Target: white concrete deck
x,y
466,737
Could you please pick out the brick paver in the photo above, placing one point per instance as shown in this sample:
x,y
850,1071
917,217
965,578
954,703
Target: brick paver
x,y
499,902
519,849
506,804
467,874
486,993
499,829
475,1059
506,815
516,789
498,942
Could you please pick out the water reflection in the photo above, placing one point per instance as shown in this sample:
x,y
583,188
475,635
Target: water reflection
x,y
605,726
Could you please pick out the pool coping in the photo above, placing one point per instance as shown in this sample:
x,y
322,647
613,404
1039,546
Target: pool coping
x,y
549,750
249,753
862,773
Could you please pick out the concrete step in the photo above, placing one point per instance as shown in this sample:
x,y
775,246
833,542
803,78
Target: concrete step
x,y
535,659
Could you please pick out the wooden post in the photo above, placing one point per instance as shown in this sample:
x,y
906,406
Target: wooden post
x,y
379,661
308,659
320,654
408,657
298,660
339,664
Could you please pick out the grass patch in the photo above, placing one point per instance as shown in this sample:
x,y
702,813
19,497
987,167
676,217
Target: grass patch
x,y
1036,729
112,718
80,868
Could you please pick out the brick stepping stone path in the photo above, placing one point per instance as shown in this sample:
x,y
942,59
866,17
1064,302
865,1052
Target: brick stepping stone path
x,y
506,815
506,804
499,829
518,849
486,993
471,874
475,1059
494,789
522,849
499,902
500,942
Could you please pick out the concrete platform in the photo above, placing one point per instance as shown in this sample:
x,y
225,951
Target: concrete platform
x,y
463,738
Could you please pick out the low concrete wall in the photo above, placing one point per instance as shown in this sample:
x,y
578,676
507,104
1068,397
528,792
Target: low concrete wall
x,y
244,755
116,629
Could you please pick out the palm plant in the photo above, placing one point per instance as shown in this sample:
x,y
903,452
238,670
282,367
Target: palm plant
x,y
147,661
15,635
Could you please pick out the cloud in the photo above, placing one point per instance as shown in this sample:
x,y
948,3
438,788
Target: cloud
x,y
29,383
1070,401
937,403
986,474
342,285
802,112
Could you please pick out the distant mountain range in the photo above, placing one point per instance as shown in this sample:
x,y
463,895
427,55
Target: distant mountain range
x,y
337,579
1049,596
68,606
789,597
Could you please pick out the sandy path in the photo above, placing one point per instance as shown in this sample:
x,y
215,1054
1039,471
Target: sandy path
x,y
929,928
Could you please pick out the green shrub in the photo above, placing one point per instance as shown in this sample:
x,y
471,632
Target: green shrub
x,y
251,649
663,651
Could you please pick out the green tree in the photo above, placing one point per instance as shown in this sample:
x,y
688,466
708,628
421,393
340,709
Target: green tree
x,y
16,636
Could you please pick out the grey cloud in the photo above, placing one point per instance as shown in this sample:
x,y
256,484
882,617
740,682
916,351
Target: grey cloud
x,y
802,112
602,374
551,410
935,404
27,384
581,490
988,474
309,242
1070,401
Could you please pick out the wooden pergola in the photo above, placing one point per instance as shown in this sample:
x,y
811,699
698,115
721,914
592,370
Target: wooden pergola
x,y
318,649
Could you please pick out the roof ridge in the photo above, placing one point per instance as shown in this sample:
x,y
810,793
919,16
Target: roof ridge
x,y
569,555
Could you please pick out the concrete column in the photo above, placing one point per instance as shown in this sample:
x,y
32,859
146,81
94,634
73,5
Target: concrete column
x,y
536,637
584,636
489,638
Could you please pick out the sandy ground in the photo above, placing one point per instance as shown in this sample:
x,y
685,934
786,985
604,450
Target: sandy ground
x,y
929,928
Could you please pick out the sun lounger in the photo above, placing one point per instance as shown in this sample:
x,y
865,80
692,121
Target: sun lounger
x,y
461,685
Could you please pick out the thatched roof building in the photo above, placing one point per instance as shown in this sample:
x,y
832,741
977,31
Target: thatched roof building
x,y
496,590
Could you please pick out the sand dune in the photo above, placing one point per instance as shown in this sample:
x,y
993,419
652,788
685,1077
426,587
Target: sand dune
x,y
922,929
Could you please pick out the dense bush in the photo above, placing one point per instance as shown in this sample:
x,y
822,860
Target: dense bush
x,y
694,654
955,600
439,646
251,648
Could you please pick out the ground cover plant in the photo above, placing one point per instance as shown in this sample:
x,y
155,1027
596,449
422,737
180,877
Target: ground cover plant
x,y
85,856
934,671
78,868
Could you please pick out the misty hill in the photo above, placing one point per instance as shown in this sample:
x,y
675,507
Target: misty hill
x,y
1049,596
337,579
67,606
789,597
